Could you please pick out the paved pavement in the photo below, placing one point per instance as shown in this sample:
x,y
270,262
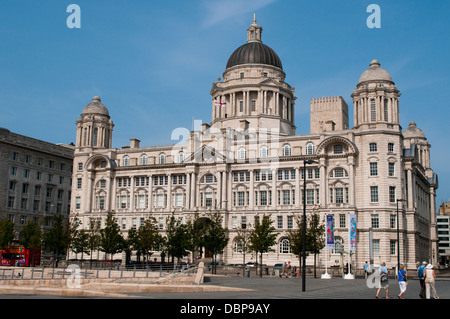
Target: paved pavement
x,y
282,296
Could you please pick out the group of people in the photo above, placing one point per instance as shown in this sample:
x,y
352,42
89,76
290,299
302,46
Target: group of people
x,y
425,273
289,271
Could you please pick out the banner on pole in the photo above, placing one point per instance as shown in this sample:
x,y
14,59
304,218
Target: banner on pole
x,y
330,232
352,232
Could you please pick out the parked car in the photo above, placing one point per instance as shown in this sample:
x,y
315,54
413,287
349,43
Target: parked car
x,y
278,266
250,264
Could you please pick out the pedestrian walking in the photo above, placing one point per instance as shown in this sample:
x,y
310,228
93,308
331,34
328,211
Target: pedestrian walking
x,y
366,270
421,276
430,276
384,280
402,281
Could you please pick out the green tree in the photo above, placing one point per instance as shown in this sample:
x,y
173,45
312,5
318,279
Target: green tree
x,y
178,238
148,237
111,239
93,237
315,237
263,237
30,237
243,242
6,232
295,237
56,238
215,239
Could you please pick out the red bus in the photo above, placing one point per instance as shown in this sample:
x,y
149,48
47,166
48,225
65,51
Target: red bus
x,y
19,256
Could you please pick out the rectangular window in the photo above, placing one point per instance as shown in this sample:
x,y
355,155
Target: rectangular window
x,y
342,220
241,106
124,223
263,198
123,201
372,147
374,194
179,200
77,202
160,200
393,247
141,201
392,194
79,182
373,111
373,169
253,105
339,195
390,147
280,222
36,205
375,220
11,201
376,246
208,199
310,197
290,222
391,169
393,221
338,149
241,198
286,197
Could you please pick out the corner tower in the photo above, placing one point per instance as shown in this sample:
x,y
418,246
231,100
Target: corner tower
x,y
253,89
94,127
376,100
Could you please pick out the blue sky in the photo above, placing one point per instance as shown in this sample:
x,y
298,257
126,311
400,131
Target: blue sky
x,y
153,62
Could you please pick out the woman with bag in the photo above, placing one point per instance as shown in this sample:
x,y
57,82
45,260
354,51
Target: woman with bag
x,y
430,275
384,280
402,281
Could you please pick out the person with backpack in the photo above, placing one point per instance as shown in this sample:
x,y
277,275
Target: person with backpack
x,y
384,280
421,276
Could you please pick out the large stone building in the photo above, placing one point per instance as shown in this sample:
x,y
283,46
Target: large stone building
x,y
249,161
35,179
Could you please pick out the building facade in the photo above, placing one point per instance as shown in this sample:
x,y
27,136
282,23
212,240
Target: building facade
x,y
36,179
249,162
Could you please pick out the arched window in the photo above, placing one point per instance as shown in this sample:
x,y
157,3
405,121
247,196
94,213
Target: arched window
x,y
242,153
180,157
286,150
126,160
309,148
285,248
237,245
144,159
162,158
263,152
338,172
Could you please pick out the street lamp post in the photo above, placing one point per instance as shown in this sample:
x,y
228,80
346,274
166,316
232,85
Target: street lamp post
x,y
398,236
304,225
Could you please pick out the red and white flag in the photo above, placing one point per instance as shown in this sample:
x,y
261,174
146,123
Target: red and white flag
x,y
220,103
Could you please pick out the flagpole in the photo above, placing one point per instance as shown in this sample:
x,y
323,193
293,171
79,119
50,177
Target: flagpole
x,y
326,275
349,275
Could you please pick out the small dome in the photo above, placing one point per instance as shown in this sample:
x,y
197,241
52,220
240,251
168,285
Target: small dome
x,y
254,53
96,107
375,73
413,131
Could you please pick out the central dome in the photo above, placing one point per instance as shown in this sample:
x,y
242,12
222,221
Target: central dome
x,y
254,53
